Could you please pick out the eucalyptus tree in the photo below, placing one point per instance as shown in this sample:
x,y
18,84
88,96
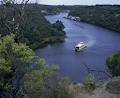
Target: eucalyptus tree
x,y
14,58
43,82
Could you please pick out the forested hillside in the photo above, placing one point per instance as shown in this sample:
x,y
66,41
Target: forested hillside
x,y
22,25
34,29
107,16
38,31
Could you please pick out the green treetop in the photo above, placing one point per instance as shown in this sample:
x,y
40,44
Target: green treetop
x,y
12,56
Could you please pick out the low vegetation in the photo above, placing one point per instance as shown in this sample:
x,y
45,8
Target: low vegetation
x,y
89,83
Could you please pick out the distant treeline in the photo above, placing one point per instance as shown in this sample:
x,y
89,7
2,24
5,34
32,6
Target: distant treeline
x,y
51,9
107,16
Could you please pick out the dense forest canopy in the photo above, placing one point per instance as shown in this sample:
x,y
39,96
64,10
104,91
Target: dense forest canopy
x,y
34,29
23,26
107,16
37,31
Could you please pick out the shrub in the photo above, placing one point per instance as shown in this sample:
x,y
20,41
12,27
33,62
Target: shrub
x,y
113,64
89,83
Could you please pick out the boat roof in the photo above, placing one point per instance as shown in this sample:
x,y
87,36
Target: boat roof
x,y
80,44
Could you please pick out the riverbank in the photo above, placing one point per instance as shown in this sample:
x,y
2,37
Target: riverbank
x,y
49,41
107,16
101,44
73,18
78,19
37,31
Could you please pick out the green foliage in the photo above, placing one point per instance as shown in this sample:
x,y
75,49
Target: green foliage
x,y
6,22
43,82
107,16
12,56
15,52
89,83
60,89
29,25
37,31
58,25
34,81
113,64
5,73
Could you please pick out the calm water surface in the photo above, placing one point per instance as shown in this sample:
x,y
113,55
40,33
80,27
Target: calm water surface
x,y
101,44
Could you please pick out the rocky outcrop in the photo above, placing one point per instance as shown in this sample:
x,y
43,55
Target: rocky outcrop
x,y
109,89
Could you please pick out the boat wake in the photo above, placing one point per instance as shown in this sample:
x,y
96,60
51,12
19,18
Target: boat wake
x,y
90,43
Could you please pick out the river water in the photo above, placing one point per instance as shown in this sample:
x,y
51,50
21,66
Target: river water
x,y
101,44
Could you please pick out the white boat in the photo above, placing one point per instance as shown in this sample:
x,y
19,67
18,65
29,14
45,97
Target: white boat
x,y
80,46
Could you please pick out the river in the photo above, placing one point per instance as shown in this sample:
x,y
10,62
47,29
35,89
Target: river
x,y
101,44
